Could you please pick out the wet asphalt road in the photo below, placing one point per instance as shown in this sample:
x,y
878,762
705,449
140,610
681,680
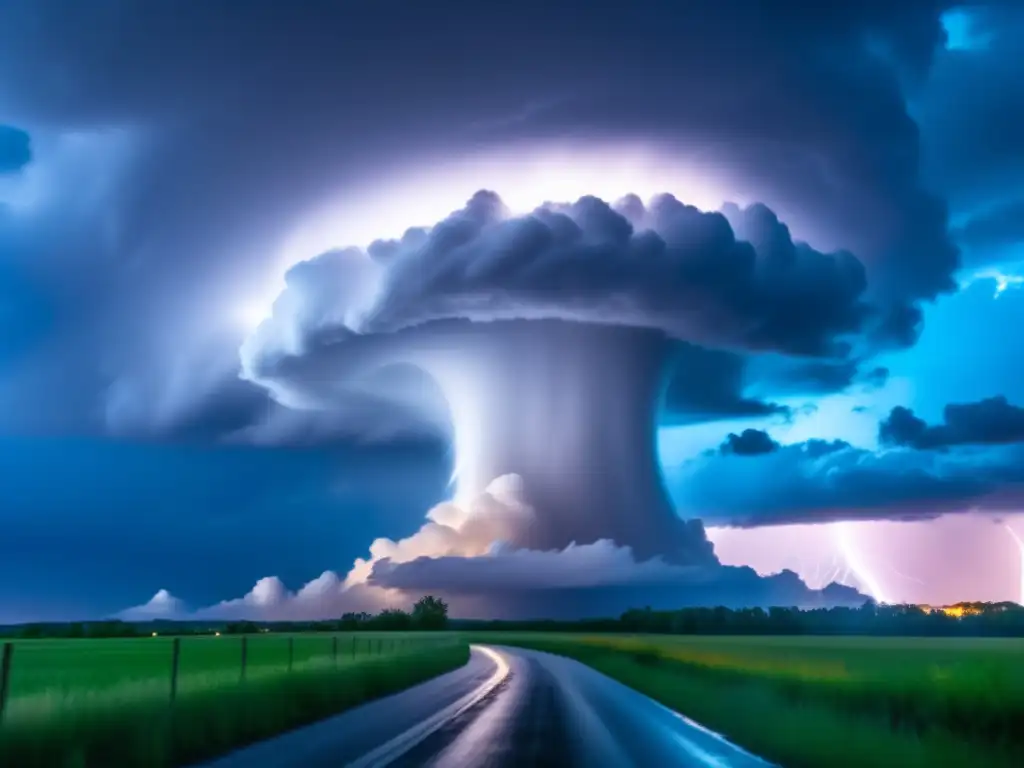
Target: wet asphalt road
x,y
507,707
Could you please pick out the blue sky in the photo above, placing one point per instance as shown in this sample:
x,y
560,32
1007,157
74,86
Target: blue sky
x,y
152,203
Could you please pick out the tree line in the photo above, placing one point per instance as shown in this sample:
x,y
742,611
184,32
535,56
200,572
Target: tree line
x,y
962,619
428,614
431,614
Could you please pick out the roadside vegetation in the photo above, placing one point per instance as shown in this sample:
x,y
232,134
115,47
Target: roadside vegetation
x,y
160,701
826,702
882,686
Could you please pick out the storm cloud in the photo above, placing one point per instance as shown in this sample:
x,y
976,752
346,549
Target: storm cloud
x,y
822,481
992,421
164,190
709,384
665,266
750,442
547,336
595,580
733,93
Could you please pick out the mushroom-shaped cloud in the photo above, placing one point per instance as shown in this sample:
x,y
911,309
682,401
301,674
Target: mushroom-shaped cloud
x,y
547,334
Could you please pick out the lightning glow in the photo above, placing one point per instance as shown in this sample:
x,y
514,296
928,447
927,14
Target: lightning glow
x,y
1020,546
843,536
524,177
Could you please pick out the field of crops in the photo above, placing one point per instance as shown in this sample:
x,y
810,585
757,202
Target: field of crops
x,y
131,702
809,702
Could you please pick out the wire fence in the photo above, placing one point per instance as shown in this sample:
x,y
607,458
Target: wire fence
x,y
39,677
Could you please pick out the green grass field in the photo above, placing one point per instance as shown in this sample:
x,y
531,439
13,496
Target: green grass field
x,y
804,702
812,702
108,702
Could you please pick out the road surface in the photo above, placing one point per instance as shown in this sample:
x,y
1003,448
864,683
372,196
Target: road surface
x,y
507,707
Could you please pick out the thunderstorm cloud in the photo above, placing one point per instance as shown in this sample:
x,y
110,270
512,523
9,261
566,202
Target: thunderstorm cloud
x,y
764,483
150,202
733,278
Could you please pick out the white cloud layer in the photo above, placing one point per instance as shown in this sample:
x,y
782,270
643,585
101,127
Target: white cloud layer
x,y
163,605
460,552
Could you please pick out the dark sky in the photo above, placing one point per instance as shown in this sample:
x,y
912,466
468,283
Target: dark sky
x,y
162,164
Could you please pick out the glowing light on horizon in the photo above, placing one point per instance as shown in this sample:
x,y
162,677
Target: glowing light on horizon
x,y
1020,546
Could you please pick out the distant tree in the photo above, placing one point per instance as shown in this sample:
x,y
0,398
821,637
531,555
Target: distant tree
x,y
352,622
241,628
31,631
112,628
391,619
430,613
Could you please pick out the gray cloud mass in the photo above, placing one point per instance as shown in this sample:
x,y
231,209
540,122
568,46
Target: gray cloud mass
x,y
822,481
992,421
147,195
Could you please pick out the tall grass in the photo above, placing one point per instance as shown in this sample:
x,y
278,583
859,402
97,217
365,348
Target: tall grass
x,y
133,723
829,701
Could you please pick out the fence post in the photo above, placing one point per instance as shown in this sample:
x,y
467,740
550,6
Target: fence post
x,y
175,657
291,653
5,676
334,650
245,655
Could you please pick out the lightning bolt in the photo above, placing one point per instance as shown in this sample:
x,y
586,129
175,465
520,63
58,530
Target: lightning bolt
x,y
841,534
1020,546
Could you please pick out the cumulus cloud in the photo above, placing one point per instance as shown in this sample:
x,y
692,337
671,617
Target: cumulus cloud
x,y
329,293
325,597
992,421
516,316
464,530
837,158
163,605
462,554
513,316
827,141
818,481
581,581
501,568
666,266
750,442
599,579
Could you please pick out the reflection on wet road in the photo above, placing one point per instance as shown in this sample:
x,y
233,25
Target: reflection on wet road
x,y
507,707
